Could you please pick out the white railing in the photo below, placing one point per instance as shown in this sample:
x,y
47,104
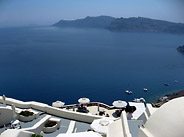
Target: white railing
x,y
84,117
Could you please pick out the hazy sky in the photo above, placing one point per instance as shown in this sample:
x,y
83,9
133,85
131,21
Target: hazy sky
x,y
47,12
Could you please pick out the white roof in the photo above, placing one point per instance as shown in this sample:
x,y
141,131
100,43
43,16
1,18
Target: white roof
x,y
140,108
168,120
80,134
16,133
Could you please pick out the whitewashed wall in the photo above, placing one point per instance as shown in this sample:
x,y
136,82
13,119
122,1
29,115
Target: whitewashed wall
x,y
51,110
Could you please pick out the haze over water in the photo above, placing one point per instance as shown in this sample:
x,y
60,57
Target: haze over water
x,y
46,64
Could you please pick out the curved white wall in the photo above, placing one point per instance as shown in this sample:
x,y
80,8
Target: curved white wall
x,y
6,115
167,121
52,110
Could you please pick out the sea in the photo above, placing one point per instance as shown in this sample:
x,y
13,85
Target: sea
x,y
46,64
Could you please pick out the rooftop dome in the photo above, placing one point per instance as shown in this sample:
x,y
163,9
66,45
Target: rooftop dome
x,y
168,120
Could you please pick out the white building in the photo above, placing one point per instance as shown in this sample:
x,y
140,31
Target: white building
x,y
166,121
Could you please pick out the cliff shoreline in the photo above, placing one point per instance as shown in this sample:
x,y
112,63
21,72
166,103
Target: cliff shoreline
x,y
167,98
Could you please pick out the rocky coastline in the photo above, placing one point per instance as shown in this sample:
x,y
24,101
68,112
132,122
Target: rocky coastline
x,y
181,49
168,97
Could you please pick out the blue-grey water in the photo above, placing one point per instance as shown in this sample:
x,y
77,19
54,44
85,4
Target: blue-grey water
x,y
47,64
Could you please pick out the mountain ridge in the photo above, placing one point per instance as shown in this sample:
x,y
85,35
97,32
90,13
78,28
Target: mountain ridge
x,y
93,22
132,24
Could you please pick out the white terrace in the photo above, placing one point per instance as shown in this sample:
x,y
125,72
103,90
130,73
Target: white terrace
x,y
76,124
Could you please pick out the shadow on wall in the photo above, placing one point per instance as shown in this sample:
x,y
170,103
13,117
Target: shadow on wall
x,y
6,115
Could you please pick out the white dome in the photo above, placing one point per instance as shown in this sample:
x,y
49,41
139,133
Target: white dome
x,y
168,120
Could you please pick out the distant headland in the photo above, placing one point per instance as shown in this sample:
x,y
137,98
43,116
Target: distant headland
x,y
181,49
132,24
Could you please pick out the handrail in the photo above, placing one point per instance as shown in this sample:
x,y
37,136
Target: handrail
x,y
89,104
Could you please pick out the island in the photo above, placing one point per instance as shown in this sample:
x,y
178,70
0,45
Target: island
x,y
88,22
132,24
181,49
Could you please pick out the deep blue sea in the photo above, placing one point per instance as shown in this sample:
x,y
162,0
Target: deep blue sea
x,y
46,64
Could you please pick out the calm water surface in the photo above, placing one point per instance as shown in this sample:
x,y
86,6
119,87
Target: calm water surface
x,y
47,64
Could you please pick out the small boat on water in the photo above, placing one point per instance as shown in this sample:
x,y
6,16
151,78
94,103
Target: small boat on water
x,y
166,84
176,81
165,98
128,92
145,89
139,100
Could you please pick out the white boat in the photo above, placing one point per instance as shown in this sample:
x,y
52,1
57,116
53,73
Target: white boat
x,y
139,100
145,89
176,81
128,92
